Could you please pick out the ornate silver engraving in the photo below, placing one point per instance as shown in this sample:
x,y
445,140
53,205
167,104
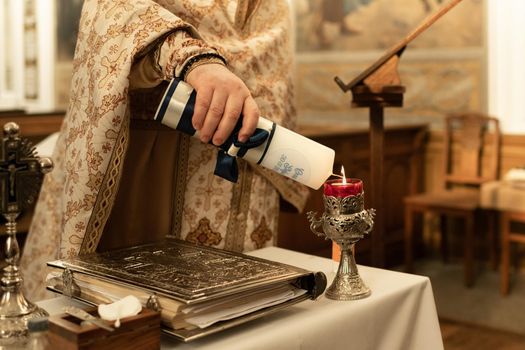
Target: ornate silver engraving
x,y
345,205
182,270
21,175
345,221
70,288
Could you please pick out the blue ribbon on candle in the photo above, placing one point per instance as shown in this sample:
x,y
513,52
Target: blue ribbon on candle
x,y
226,165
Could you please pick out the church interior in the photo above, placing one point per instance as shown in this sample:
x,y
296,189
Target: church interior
x,y
429,118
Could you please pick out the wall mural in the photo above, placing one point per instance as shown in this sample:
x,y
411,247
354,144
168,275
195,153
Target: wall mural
x,y
443,69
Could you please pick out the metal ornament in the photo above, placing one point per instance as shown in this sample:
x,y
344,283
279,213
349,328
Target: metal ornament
x,y
345,221
70,288
153,303
21,175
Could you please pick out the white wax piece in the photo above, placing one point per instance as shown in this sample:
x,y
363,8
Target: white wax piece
x,y
125,307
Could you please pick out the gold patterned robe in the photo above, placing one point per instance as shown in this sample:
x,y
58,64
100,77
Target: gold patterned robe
x,y
108,151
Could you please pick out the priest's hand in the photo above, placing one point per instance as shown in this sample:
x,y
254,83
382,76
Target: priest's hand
x,y
221,98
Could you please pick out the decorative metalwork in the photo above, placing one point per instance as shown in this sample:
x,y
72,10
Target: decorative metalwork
x,y
182,270
345,221
153,303
349,204
69,286
21,175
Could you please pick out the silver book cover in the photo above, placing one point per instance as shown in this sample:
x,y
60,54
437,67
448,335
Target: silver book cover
x,y
187,272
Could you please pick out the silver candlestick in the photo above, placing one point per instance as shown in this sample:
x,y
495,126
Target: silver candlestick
x,y
21,175
345,221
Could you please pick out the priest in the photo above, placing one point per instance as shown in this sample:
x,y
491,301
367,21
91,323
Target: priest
x,y
120,178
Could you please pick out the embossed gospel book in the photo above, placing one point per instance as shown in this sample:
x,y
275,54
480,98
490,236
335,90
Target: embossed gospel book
x,y
198,290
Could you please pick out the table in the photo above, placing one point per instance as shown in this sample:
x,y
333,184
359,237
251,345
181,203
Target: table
x,y
400,314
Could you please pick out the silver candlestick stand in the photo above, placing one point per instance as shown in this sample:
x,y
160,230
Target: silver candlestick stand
x,y
345,221
21,175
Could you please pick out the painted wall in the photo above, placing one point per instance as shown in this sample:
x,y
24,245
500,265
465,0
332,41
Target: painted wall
x,y
444,69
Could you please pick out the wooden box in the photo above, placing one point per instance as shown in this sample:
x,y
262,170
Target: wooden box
x,y
138,332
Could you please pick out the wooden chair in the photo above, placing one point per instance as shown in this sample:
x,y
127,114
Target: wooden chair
x,y
468,163
507,237
507,199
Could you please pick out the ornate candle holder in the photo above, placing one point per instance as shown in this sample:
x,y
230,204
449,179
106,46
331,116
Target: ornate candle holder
x,y
21,174
345,221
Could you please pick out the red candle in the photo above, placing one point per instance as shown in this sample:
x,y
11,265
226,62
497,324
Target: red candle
x,y
343,187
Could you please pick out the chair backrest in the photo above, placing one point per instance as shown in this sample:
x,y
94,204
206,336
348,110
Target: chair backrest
x,y
472,149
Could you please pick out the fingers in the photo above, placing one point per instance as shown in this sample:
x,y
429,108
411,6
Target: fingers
x,y
250,119
213,115
222,116
202,103
231,115
221,98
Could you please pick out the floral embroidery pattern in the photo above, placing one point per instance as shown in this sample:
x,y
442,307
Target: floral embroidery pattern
x,y
261,234
81,188
209,190
204,235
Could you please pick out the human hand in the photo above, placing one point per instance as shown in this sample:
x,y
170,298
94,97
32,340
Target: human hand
x,y
221,98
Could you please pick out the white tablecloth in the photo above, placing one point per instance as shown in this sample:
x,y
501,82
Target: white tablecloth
x,y
400,314
503,195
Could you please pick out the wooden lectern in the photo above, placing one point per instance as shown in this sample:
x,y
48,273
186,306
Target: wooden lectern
x,y
377,87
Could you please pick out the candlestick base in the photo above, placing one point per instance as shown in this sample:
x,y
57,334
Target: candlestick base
x,y
15,309
348,288
14,329
347,284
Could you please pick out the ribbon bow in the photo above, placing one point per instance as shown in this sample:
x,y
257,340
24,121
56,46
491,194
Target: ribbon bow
x,y
226,166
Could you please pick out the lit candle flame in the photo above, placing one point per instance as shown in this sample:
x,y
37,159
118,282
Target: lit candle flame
x,y
343,173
